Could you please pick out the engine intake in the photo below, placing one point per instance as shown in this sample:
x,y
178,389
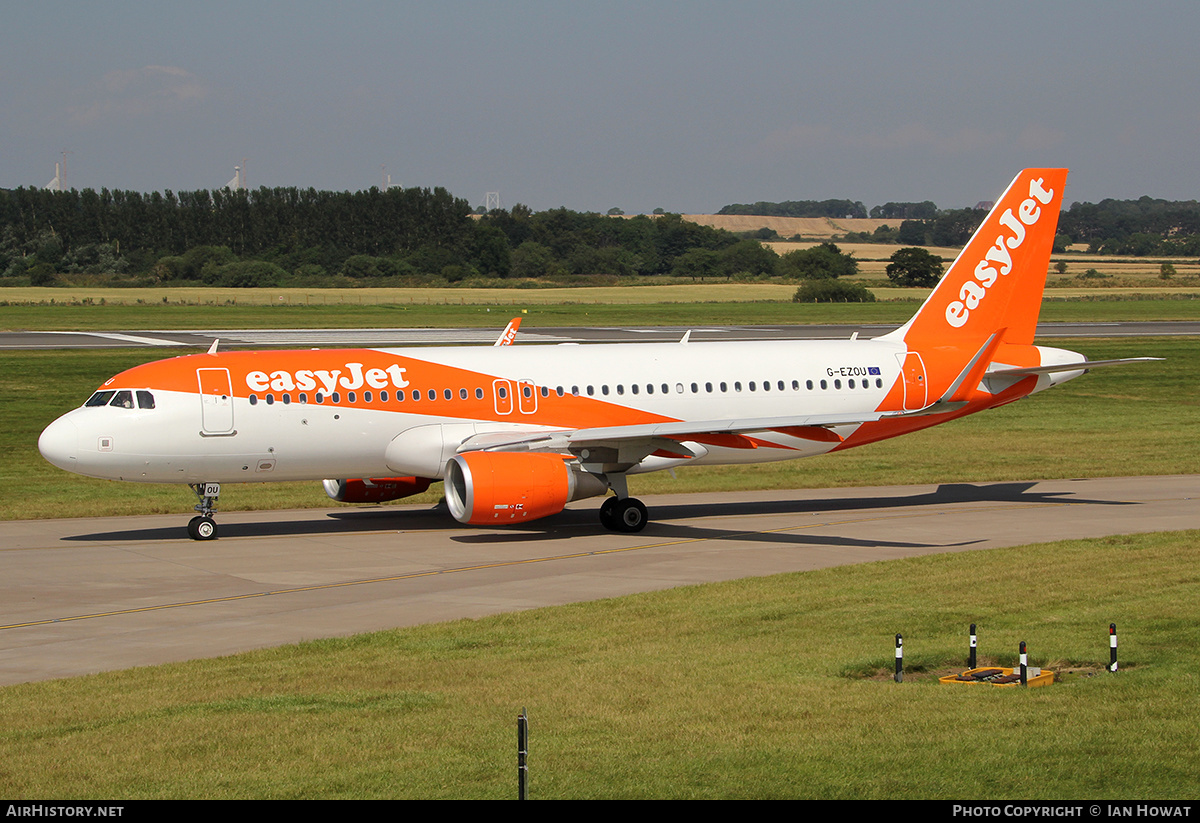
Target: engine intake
x,y
514,487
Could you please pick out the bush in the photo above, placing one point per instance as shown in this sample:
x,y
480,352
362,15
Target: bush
x,y
914,267
832,291
825,261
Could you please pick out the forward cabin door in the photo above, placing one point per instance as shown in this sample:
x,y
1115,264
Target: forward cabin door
x,y
216,401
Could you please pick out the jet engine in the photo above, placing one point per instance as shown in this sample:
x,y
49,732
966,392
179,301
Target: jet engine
x,y
375,490
514,487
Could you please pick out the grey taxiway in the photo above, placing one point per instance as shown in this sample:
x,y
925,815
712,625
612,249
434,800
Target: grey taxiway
x,y
96,594
246,338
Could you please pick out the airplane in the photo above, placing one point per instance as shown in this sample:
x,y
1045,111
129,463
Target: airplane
x,y
516,432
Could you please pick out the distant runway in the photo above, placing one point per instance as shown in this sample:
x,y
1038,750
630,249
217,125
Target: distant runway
x,y
88,595
251,338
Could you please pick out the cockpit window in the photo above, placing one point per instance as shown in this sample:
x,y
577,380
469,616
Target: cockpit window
x,y
145,400
123,399
100,398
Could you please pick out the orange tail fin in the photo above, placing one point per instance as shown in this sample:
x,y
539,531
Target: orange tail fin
x,y
996,282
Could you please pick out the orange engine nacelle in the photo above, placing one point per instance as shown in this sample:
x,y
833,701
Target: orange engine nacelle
x,y
375,490
514,487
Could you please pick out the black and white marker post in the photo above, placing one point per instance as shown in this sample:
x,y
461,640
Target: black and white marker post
x,y
971,654
1112,647
1024,665
522,754
899,677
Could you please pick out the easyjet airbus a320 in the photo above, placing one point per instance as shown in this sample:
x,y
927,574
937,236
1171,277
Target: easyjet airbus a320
x,y
516,432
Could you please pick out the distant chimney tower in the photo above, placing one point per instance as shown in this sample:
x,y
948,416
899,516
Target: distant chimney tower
x,y
239,178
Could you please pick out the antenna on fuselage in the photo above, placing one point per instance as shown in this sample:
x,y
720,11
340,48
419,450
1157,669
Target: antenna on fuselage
x,y
213,348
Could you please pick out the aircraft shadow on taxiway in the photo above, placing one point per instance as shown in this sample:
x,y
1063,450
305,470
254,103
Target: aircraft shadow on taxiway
x,y
665,518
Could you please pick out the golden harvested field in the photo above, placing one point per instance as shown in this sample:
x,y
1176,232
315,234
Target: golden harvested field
x,y
815,227
419,296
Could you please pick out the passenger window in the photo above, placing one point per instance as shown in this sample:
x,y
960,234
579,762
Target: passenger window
x,y
145,400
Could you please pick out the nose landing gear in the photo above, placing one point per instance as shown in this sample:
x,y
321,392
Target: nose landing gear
x,y
203,526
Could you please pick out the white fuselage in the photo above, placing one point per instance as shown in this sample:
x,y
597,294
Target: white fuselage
x,y
267,434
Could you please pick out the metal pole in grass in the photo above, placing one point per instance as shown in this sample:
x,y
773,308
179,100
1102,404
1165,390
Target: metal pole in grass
x,y
522,754
899,676
1112,647
971,654
1024,666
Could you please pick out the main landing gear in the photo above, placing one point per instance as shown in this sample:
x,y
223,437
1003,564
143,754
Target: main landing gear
x,y
628,515
202,526
622,513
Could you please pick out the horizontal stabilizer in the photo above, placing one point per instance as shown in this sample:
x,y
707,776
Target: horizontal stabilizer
x,y
1063,367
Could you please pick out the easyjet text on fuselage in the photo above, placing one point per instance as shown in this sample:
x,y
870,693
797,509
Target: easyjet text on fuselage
x,y
352,377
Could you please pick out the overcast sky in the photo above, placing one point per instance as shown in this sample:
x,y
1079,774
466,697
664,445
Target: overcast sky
x,y
686,106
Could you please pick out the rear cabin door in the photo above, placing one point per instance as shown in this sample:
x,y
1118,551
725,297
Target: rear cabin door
x,y
915,392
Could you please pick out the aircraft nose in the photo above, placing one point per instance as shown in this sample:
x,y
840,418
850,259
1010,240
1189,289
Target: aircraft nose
x,y
59,444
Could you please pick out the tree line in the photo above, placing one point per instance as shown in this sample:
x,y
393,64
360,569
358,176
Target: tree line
x,y
1142,227
291,236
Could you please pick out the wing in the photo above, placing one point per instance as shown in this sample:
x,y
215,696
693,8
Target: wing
x,y
626,446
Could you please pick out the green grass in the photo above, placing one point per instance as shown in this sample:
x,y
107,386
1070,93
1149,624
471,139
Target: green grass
x,y
739,304
756,688
1129,420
